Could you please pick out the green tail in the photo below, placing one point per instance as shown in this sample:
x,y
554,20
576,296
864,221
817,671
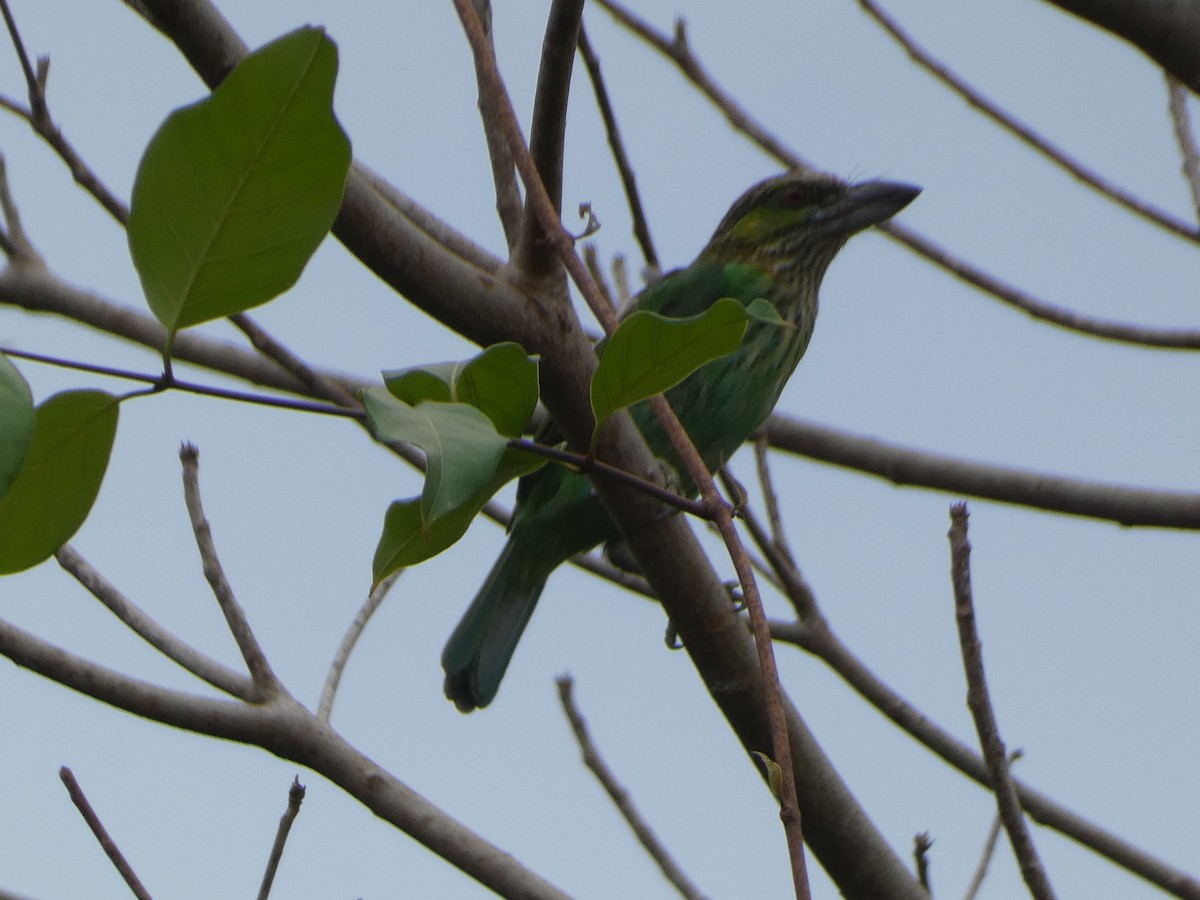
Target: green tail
x,y
482,645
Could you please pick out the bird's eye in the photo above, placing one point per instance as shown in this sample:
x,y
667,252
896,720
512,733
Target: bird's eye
x,y
795,197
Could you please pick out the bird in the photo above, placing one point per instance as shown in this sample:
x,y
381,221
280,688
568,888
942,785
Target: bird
x,y
775,243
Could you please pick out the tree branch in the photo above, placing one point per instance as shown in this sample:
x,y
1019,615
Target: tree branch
x,y
904,466
980,704
1024,133
1168,31
678,52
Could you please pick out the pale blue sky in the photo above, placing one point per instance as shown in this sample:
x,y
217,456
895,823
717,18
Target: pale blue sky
x,y
1089,630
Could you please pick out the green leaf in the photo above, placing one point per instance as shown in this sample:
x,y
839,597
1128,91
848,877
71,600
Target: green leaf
x,y
235,192
501,382
407,539
764,310
649,353
461,445
58,483
16,421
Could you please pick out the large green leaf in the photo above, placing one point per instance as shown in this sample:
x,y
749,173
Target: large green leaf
x,y
58,483
235,192
408,539
501,382
649,353
461,445
16,422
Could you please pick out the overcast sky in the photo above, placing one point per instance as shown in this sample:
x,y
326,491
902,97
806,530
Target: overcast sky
x,y
1089,630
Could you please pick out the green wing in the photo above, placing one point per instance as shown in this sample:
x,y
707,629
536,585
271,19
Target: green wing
x,y
690,291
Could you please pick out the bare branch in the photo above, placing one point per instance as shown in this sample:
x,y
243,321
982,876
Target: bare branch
x,y
15,242
922,843
1177,106
812,633
620,796
180,652
1165,30
677,52
535,256
89,815
353,633
1109,330
641,227
980,704
284,728
904,466
504,174
38,116
316,384
989,848
1024,133
265,682
295,798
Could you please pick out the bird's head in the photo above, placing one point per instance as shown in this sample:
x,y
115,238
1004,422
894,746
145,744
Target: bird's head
x,y
802,218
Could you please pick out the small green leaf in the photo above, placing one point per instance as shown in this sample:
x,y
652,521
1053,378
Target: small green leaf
x,y
501,382
461,445
422,383
16,422
649,353
407,539
764,311
58,483
235,192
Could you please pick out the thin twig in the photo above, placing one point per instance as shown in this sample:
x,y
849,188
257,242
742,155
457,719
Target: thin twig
x,y
980,705
989,847
133,617
535,258
678,52
985,859
15,242
264,679
922,843
504,175
620,796
1177,96
540,202
1024,133
374,600
106,842
1037,490
770,498
295,798
811,632
38,116
590,465
641,226
314,381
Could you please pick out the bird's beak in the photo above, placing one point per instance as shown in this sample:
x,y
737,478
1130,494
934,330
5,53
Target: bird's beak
x,y
864,205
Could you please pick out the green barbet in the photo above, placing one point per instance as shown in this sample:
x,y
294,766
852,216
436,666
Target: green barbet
x,y
775,243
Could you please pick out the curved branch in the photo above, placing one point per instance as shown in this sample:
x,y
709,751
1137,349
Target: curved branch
x,y
1024,133
535,257
1167,31
904,466
678,52
283,727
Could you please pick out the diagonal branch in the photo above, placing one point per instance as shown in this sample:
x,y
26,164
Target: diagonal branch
x,y
535,257
180,652
980,704
1024,133
1037,490
678,52
265,682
